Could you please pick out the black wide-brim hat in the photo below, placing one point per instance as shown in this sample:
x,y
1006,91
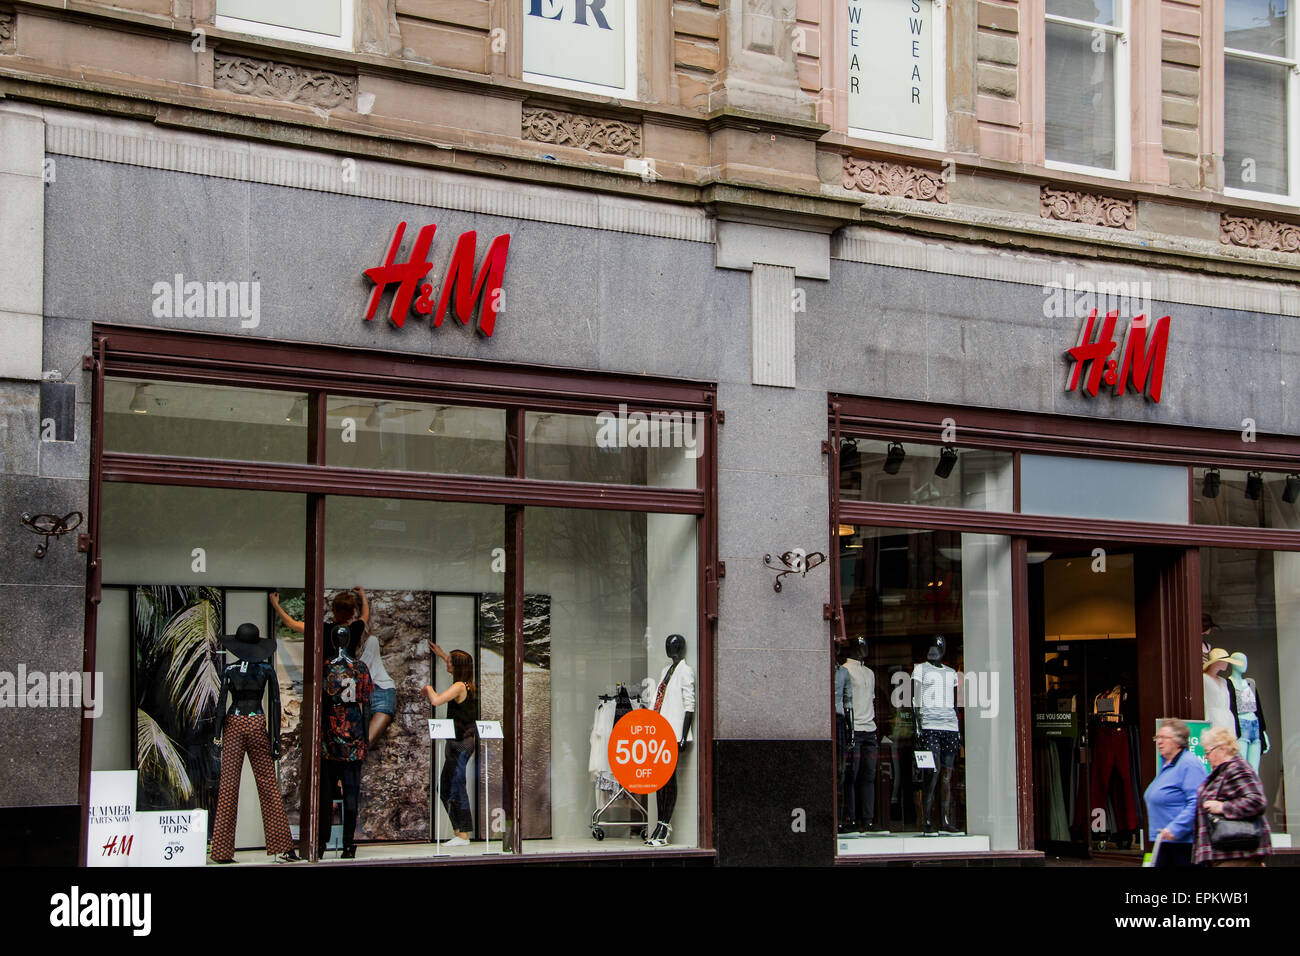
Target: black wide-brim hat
x,y
248,645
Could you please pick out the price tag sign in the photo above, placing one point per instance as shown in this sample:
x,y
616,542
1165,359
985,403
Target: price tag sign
x,y
442,729
489,729
925,759
643,751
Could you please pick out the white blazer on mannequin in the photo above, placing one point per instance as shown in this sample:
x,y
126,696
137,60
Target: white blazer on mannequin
x,y
679,697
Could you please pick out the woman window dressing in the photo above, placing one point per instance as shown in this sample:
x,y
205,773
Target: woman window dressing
x,y
461,699
1171,798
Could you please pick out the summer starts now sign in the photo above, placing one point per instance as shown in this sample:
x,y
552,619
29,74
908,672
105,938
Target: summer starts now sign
x,y
891,66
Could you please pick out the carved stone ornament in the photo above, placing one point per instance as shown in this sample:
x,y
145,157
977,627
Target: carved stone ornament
x,y
1259,233
584,132
894,179
283,81
7,19
1070,205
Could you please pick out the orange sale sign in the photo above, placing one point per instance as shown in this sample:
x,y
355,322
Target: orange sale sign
x,y
643,751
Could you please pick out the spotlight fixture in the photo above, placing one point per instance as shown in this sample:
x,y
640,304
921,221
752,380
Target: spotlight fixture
x,y
439,424
1254,485
137,401
846,530
1210,486
295,413
850,457
947,459
894,458
1292,491
375,418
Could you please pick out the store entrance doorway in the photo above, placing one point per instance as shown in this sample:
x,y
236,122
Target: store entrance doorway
x,y
1090,635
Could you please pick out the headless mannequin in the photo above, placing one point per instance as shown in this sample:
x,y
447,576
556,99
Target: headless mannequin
x,y
942,772
675,699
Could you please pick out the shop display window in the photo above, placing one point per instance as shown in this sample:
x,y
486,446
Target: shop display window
x,y
1246,499
925,748
393,435
656,447
1250,603
910,473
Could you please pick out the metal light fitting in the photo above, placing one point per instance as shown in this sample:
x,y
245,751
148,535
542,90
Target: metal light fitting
x,y
795,561
51,526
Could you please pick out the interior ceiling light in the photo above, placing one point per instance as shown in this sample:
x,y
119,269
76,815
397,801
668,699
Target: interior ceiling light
x,y
850,457
439,424
846,530
1292,491
1254,485
137,401
1037,557
296,410
947,460
894,458
1210,486
375,418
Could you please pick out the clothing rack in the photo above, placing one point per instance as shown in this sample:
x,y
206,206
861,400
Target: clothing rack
x,y
612,791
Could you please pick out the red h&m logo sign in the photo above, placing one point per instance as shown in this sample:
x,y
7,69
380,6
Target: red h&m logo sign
x,y
1141,361
469,288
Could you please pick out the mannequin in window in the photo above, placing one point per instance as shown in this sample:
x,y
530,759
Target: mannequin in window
x,y
675,699
864,749
1207,625
934,699
249,727
1250,712
1220,695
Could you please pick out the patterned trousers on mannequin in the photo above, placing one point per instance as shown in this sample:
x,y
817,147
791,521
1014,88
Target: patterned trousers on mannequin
x,y
240,735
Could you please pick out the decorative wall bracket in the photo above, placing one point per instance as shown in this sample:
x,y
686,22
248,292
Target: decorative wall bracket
x,y
51,526
796,561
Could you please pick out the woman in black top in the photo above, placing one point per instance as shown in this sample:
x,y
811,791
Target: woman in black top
x,y
461,699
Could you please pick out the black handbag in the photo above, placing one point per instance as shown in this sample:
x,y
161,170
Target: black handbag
x,y
1234,836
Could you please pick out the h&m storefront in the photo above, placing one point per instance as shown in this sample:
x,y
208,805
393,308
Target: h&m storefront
x,y
559,499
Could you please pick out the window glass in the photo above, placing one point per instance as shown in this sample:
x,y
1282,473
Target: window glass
x,y
1255,124
1225,496
660,448
1093,11
975,478
314,16
193,564
1259,26
579,43
427,570
1098,488
607,592
1081,96
890,62
204,421
925,728
397,435
1252,599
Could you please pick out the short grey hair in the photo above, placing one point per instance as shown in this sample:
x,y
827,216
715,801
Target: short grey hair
x,y
1220,737
1181,731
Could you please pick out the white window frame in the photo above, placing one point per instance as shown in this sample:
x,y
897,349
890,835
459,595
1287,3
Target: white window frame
x,y
1292,115
939,79
628,91
306,37
1123,93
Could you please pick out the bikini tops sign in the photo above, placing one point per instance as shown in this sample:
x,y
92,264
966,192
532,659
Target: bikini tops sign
x,y
1141,360
470,288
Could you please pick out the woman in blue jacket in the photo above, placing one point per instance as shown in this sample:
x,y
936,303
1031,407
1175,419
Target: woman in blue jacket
x,y
1171,798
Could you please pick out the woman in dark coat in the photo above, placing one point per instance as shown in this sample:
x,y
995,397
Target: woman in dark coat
x,y
1233,791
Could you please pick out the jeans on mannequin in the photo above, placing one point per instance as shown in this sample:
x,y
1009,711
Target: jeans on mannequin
x,y
1251,746
860,779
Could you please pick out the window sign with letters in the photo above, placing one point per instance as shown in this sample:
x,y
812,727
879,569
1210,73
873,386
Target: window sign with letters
x,y
892,54
581,44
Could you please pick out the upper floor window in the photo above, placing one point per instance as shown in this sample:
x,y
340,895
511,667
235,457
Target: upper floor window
x,y
1259,73
326,23
1087,86
585,45
893,55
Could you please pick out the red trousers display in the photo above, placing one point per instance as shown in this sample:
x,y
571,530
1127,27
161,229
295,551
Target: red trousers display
x,y
239,736
1110,763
